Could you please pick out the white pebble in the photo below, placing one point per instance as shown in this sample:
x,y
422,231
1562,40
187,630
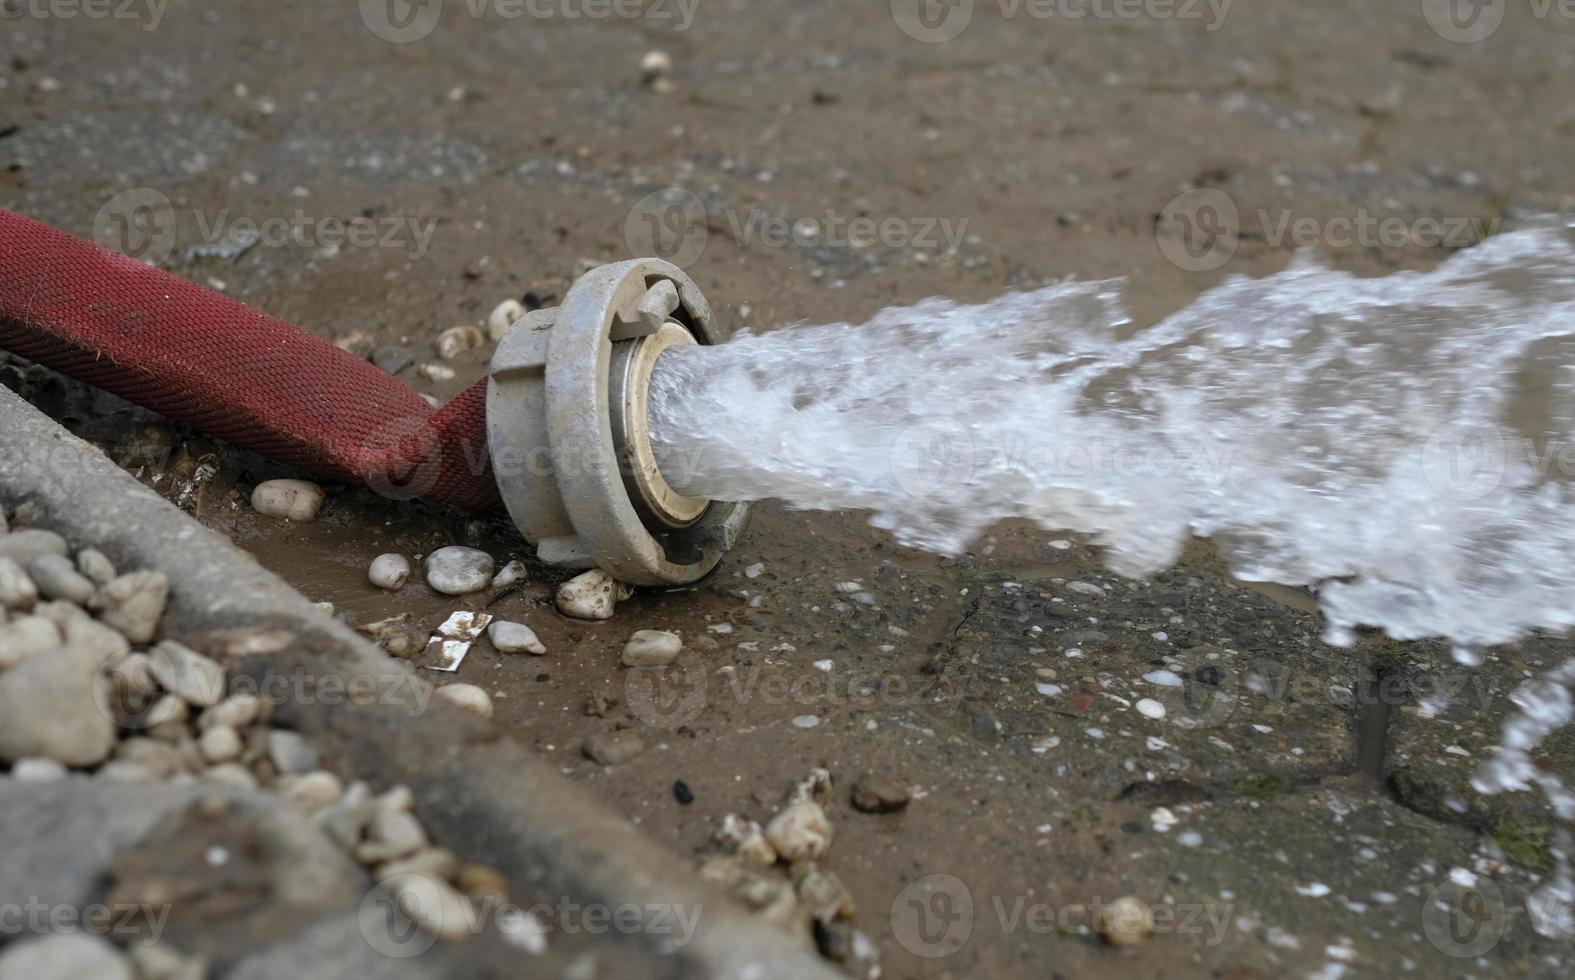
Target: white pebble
x,y
389,571
220,743
37,770
652,648
593,595
185,672
314,792
26,636
134,604
806,721
512,574
1149,708
64,956
459,571
800,832
457,340
515,638
469,697
656,64
17,590
295,500
503,317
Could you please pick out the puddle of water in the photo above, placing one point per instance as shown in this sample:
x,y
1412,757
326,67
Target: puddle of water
x,y
1402,443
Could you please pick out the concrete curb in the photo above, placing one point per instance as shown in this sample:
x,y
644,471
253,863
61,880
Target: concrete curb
x,y
477,791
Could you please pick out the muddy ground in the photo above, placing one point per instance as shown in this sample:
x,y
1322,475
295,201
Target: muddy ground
x,y
1296,811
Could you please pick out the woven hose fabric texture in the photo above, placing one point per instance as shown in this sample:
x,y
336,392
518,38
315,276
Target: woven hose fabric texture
x,y
205,360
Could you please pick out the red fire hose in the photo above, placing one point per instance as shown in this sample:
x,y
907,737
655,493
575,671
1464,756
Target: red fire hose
x,y
205,360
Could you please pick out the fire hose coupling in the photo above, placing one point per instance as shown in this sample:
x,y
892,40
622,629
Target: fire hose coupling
x,y
569,387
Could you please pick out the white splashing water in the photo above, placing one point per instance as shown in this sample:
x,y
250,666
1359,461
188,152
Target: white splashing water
x,y
1403,443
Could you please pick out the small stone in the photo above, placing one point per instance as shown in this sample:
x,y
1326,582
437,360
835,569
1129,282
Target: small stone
x,y
389,571
357,342
652,648
24,546
434,862
158,759
817,787
800,832
512,574
185,672
481,264
155,961
37,771
314,792
849,948
458,340
231,774
515,638
822,894
874,793
56,577
26,637
480,881
459,571
593,595
120,771
682,793
17,590
236,711
436,373
220,743
294,500
82,633
345,821
433,905
291,753
468,697
1149,708
393,359
167,710
1126,922
134,603
613,748
655,65
503,318
64,956
392,834
745,838
55,705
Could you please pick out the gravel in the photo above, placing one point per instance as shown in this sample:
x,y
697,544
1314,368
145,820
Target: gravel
x,y
134,604
24,546
57,578
66,956
188,674
613,748
53,706
17,590
457,570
